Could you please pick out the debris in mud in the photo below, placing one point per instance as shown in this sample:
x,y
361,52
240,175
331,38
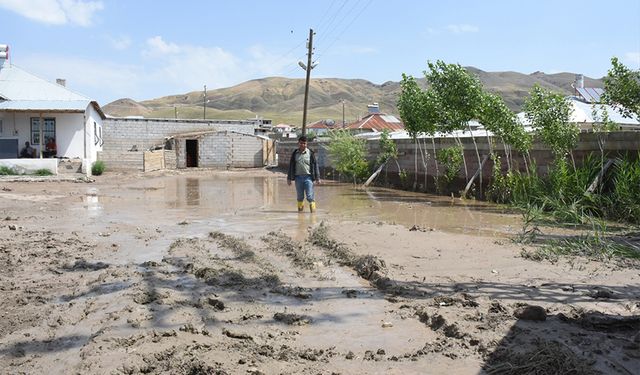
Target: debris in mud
x,y
292,319
146,297
465,301
531,312
497,308
283,244
235,335
83,265
350,293
544,358
293,291
367,266
595,320
420,229
239,247
320,237
603,293
215,303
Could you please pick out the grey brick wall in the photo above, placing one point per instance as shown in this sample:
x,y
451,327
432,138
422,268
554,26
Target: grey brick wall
x,y
224,149
121,135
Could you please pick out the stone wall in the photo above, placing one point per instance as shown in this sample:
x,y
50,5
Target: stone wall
x,y
125,139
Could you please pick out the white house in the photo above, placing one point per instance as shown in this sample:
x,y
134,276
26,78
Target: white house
x,y
26,101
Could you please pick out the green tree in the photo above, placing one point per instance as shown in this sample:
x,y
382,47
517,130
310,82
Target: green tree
x,y
549,115
348,154
622,89
502,122
388,148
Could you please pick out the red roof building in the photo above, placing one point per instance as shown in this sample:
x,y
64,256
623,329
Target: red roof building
x,y
376,122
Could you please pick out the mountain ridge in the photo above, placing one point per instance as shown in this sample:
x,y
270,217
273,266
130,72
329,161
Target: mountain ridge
x,y
281,99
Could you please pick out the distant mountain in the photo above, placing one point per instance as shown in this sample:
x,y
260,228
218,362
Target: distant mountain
x,y
281,99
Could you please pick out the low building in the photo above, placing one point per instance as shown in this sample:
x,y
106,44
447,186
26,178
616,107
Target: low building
x,y
322,127
375,121
222,149
37,111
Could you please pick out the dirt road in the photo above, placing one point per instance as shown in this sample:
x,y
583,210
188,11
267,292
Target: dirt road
x,y
215,273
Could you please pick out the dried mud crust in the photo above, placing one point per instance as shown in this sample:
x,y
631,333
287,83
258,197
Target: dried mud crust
x,y
221,304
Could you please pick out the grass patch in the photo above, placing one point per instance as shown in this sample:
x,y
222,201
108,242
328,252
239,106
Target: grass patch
x,y
544,358
7,171
43,172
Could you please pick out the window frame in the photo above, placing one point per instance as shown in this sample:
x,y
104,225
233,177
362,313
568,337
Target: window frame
x,y
35,129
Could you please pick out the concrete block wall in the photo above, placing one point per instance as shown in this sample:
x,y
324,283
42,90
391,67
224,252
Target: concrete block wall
x,y
126,138
225,149
419,161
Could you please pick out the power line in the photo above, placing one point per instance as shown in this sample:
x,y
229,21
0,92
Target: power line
x,y
353,20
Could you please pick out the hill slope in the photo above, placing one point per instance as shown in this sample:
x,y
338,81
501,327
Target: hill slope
x,y
281,99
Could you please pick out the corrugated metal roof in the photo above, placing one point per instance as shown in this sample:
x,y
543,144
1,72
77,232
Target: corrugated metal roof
x,y
45,105
377,122
583,113
17,84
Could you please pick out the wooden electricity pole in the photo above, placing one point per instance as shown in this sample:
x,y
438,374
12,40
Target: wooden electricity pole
x,y
306,87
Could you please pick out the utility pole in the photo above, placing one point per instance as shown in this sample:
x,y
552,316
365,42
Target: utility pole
x,y
175,111
204,103
308,68
343,113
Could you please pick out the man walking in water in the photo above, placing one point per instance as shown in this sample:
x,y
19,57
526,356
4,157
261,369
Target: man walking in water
x,y
303,169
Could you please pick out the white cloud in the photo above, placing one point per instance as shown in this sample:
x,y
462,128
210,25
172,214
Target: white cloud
x,y
157,46
96,79
188,67
462,28
55,12
633,59
162,68
432,31
120,42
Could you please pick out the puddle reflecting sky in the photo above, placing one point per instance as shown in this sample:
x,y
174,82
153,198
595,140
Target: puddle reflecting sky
x,y
244,204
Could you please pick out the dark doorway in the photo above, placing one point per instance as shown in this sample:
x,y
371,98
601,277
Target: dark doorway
x,y
192,153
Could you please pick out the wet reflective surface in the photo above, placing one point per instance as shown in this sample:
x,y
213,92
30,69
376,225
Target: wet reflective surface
x,y
256,204
188,206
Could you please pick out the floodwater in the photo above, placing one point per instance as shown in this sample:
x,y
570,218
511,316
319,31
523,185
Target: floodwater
x,y
192,206
252,204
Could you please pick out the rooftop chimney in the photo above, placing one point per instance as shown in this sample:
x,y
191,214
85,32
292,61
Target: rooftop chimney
x,y
62,82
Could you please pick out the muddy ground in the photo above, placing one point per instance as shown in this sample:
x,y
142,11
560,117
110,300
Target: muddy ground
x,y
214,273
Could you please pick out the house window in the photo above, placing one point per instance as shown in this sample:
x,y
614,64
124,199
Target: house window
x,y
48,131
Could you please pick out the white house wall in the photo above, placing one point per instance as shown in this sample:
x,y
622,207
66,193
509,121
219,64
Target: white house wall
x,y
70,131
95,134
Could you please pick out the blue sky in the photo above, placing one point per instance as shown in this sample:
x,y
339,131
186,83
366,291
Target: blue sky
x,y
144,49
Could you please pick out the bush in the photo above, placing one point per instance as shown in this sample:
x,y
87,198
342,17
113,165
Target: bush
x,y
43,172
97,168
6,171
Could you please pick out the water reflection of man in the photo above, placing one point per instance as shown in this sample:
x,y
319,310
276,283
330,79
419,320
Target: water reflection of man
x,y
303,169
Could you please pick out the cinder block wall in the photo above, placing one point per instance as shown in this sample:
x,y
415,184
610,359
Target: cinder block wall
x,y
225,149
417,158
122,135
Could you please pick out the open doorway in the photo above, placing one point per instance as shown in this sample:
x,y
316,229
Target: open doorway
x,y
192,153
